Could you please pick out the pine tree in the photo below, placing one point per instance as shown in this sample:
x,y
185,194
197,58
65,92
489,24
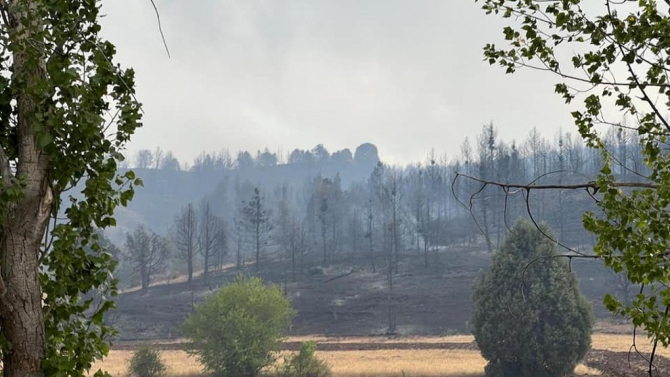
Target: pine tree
x,y
530,319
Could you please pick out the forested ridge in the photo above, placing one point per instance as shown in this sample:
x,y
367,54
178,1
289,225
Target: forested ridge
x,y
295,218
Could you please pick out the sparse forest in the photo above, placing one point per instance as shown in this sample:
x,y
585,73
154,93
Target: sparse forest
x,y
360,210
518,251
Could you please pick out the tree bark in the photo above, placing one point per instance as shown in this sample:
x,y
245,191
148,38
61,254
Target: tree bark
x,y
21,314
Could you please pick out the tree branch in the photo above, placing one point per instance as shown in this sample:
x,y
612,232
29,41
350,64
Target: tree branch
x,y
587,185
160,28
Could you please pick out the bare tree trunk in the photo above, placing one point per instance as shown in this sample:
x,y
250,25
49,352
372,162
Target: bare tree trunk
x,y
190,267
485,222
143,277
206,265
258,246
369,235
324,242
293,264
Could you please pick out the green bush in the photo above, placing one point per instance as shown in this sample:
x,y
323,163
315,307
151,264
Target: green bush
x,y
238,330
529,317
304,364
146,362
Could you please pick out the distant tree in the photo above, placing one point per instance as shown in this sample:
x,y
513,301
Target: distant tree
x,y
389,194
430,223
221,243
239,234
211,234
266,158
244,161
282,233
300,157
144,159
224,160
355,199
205,164
158,157
170,162
322,215
321,154
148,253
146,362
304,363
530,319
185,233
366,154
239,330
486,147
342,157
297,245
417,204
256,222
537,148
337,212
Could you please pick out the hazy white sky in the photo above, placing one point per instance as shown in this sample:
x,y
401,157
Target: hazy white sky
x,y
405,75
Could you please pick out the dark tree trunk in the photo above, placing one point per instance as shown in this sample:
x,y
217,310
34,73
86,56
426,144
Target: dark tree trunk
x,y
372,255
190,265
206,264
293,264
143,277
258,247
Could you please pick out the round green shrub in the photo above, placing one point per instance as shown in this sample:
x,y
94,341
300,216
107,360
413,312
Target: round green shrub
x,y
237,331
304,364
530,318
146,362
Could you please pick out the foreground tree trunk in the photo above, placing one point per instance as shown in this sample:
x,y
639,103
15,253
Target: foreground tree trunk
x,y
21,315
22,230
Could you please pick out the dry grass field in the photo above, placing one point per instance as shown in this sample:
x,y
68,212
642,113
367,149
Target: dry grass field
x,y
385,362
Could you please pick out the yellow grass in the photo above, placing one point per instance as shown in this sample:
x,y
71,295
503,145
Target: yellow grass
x,y
384,340
382,363
622,343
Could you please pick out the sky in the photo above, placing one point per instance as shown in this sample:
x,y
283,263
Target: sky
x,y
408,76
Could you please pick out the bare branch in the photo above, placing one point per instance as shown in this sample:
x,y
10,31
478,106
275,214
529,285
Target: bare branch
x,y
160,28
587,185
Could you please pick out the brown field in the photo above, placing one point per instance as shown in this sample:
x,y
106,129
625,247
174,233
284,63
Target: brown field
x,y
388,361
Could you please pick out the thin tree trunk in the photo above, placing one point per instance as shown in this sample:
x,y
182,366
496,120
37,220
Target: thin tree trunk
x,y
190,265
325,246
206,263
293,263
143,277
258,246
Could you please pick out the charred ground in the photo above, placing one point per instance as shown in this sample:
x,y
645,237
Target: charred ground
x,y
338,300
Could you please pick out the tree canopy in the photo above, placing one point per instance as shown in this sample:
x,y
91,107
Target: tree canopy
x,y
66,113
609,58
530,322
